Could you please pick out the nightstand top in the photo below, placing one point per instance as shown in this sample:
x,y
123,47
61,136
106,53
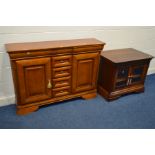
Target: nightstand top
x,y
125,55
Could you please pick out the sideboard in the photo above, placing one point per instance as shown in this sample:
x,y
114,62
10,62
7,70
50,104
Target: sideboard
x,y
52,71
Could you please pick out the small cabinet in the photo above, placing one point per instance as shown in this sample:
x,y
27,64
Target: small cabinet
x,y
85,69
122,77
122,71
34,79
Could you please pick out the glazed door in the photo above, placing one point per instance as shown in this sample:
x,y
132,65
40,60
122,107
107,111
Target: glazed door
x,y
122,77
137,74
85,69
34,79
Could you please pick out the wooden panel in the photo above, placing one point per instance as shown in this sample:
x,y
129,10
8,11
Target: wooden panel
x,y
34,75
85,69
61,72
61,61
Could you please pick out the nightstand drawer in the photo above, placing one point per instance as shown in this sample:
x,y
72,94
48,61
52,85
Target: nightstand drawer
x,y
61,72
61,61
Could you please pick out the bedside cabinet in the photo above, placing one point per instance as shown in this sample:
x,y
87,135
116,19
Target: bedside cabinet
x,y
122,71
53,71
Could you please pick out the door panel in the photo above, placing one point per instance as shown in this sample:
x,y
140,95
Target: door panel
x,y
122,77
123,72
34,77
85,69
136,75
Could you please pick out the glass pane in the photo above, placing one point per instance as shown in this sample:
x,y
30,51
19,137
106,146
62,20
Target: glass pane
x,y
137,71
123,72
136,79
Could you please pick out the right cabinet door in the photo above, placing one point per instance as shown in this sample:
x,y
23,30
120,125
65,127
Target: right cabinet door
x,y
85,69
137,74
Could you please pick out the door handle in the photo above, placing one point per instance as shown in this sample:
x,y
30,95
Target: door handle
x,y
130,81
49,85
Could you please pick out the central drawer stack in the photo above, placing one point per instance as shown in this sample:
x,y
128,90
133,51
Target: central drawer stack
x,y
61,75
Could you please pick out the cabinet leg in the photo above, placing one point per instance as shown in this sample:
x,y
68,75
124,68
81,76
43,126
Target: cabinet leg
x,y
140,90
113,98
23,111
89,96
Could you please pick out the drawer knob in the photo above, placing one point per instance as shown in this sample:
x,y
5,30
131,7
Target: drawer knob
x,y
49,84
62,61
61,91
28,53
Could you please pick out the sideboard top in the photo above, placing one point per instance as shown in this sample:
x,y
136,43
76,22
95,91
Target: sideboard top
x,y
45,45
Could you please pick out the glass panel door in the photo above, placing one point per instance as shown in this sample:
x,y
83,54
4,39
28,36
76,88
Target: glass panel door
x,y
122,77
136,74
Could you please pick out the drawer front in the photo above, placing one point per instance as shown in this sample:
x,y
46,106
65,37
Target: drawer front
x,y
61,82
61,72
61,91
50,52
61,61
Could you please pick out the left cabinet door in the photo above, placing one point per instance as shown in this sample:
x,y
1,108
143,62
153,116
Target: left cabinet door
x,y
34,80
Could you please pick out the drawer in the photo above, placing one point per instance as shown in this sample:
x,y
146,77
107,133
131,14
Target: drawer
x,y
61,91
61,72
61,61
51,52
61,82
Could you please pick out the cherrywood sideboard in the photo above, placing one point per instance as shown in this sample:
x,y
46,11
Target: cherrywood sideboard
x,y
122,71
53,71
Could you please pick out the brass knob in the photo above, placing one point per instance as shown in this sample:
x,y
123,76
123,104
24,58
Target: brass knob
x,y
49,85
28,53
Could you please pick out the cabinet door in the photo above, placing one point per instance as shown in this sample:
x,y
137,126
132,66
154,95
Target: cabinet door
x,y
85,69
34,76
122,77
136,74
